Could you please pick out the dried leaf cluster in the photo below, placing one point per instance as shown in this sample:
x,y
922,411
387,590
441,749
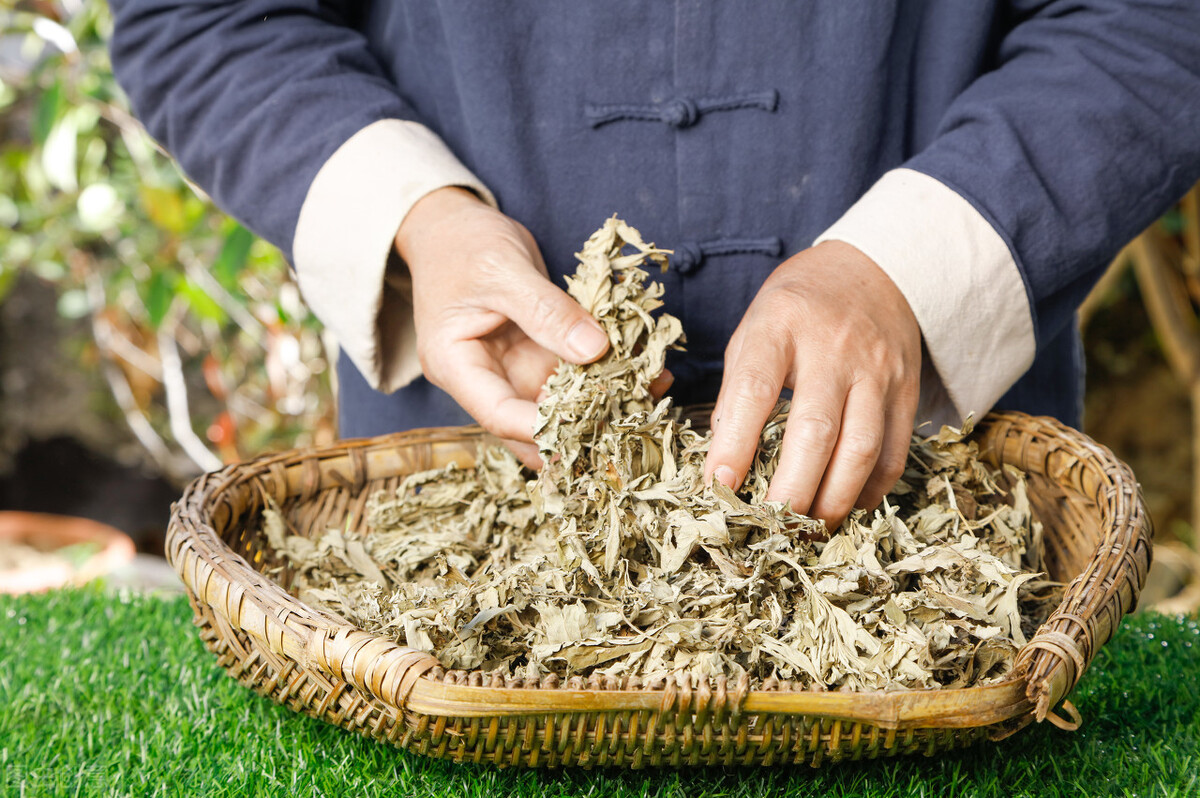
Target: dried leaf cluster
x,y
618,558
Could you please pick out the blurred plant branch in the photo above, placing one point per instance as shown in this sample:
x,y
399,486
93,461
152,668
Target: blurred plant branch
x,y
196,325
1165,260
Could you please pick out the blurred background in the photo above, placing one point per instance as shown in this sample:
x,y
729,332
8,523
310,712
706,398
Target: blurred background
x,y
146,337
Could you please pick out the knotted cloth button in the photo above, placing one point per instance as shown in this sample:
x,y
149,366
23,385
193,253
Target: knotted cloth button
x,y
680,112
687,257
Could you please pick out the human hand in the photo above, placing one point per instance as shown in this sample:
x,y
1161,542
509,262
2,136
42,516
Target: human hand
x,y
490,325
832,326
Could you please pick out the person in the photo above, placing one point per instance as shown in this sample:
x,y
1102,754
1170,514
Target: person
x,y
890,208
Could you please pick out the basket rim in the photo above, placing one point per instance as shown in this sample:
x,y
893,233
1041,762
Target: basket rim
x,y
1047,668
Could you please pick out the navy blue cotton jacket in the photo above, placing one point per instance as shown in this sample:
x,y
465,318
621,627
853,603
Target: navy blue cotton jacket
x,y
734,132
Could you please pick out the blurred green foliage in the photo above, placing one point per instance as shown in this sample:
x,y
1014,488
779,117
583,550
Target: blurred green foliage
x,y
187,307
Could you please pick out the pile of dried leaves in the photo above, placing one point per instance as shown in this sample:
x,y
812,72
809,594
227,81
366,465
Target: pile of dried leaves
x,y
617,557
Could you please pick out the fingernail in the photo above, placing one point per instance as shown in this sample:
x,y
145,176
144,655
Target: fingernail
x,y
586,340
725,476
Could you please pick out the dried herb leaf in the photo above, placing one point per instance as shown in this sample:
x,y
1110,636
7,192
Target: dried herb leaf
x,y
618,558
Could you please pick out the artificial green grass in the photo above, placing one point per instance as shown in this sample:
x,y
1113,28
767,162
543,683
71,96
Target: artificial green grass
x,y
115,695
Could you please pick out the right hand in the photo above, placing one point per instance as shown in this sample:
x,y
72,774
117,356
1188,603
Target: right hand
x,y
490,325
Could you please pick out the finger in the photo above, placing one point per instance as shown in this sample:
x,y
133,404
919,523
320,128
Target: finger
x,y
859,444
733,354
897,438
749,391
809,437
472,377
553,319
527,453
527,365
661,384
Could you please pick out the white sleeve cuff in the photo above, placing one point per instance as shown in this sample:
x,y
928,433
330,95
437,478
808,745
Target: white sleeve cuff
x,y
346,233
961,281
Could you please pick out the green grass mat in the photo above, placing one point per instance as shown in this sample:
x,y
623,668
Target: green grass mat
x,y
108,695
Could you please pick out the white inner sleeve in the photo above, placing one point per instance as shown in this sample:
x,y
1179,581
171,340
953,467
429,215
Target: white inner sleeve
x,y
961,281
346,232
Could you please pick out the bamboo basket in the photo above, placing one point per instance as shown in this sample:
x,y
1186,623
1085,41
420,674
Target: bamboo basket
x,y
1098,538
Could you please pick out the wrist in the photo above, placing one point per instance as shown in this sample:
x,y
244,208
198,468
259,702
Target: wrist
x,y
428,211
867,273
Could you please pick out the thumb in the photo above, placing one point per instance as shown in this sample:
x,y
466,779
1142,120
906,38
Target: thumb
x,y
549,316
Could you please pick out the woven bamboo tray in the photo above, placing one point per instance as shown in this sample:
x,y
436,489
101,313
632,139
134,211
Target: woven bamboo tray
x,y
1097,538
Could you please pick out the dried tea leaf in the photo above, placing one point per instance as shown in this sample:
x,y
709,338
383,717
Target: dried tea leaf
x,y
618,558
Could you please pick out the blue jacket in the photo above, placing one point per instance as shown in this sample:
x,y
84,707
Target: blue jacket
x,y
733,132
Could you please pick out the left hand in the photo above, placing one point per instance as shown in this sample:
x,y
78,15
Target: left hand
x,y
832,326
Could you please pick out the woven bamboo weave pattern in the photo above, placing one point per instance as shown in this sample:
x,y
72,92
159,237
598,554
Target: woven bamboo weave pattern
x,y
1097,539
